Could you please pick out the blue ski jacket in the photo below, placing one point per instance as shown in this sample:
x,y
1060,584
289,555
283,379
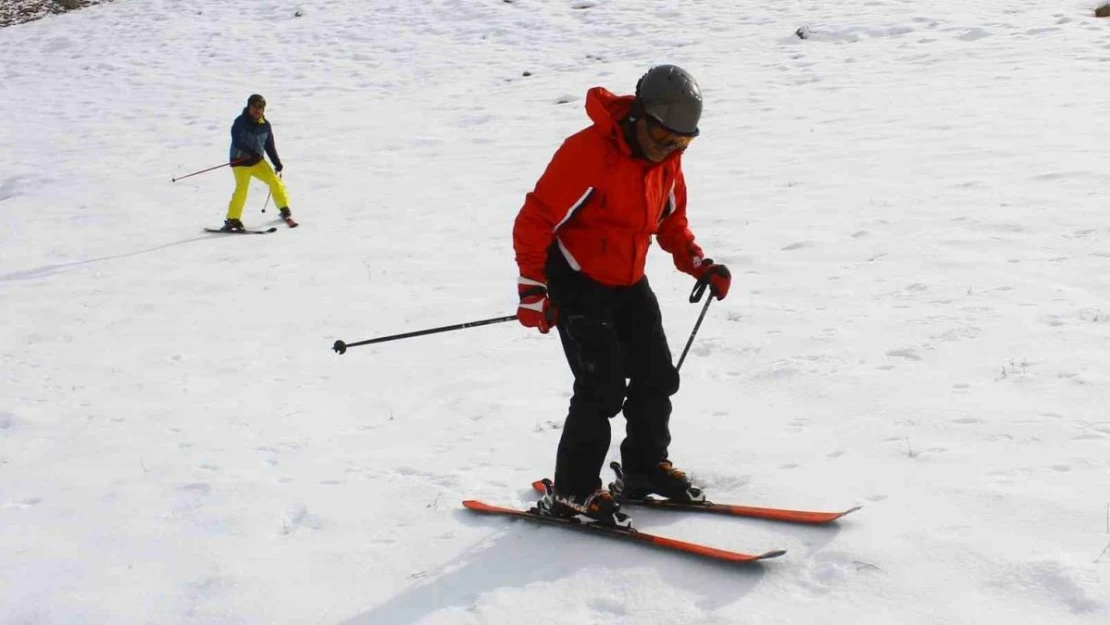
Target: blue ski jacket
x,y
249,139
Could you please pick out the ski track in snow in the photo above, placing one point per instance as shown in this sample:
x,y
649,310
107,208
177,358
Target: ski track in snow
x,y
911,201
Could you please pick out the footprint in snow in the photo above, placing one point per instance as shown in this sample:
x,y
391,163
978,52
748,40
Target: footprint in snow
x,y
24,503
904,353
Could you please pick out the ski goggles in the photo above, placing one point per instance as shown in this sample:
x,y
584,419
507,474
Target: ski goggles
x,y
666,138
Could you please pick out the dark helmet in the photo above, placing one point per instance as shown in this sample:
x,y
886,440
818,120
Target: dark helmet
x,y
254,97
670,94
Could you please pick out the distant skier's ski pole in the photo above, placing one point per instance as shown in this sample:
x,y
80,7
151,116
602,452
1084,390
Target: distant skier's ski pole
x,y
695,295
340,347
235,162
268,194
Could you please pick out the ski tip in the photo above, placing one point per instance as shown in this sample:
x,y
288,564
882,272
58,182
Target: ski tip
x,y
851,510
714,553
739,558
828,518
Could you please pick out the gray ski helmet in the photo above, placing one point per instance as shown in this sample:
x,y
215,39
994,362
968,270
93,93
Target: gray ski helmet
x,y
670,94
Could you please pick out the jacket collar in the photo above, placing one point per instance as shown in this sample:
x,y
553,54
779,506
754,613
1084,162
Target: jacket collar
x,y
247,116
606,110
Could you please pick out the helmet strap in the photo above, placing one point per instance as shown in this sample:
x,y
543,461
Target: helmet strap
x,y
628,128
637,110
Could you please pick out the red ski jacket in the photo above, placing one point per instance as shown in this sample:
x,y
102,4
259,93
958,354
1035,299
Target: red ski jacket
x,y
601,204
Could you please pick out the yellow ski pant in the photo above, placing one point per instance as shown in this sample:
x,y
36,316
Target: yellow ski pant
x,y
243,175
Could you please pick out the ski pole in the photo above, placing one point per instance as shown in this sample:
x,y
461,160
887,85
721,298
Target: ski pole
x,y
235,162
268,194
340,347
695,295
691,339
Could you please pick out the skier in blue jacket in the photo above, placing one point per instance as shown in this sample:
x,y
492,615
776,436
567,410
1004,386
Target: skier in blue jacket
x,y
251,135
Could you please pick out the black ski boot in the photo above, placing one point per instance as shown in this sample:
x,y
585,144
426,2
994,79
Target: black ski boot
x,y
597,507
233,225
287,215
662,479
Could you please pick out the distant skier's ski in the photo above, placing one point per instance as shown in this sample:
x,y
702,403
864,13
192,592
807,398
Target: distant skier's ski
x,y
289,222
222,231
624,534
771,514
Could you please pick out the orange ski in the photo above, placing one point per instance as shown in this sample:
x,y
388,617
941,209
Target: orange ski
x,y
808,517
634,535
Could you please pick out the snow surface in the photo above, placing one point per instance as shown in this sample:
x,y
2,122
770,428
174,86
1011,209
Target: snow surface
x,y
913,202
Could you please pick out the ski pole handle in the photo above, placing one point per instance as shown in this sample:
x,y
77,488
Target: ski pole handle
x,y
340,347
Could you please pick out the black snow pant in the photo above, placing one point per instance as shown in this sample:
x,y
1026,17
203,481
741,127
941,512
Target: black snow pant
x,y
614,342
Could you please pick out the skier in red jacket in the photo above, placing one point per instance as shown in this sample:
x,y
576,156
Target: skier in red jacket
x,y
581,241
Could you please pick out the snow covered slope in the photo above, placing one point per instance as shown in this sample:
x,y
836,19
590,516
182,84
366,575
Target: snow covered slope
x,y
912,199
